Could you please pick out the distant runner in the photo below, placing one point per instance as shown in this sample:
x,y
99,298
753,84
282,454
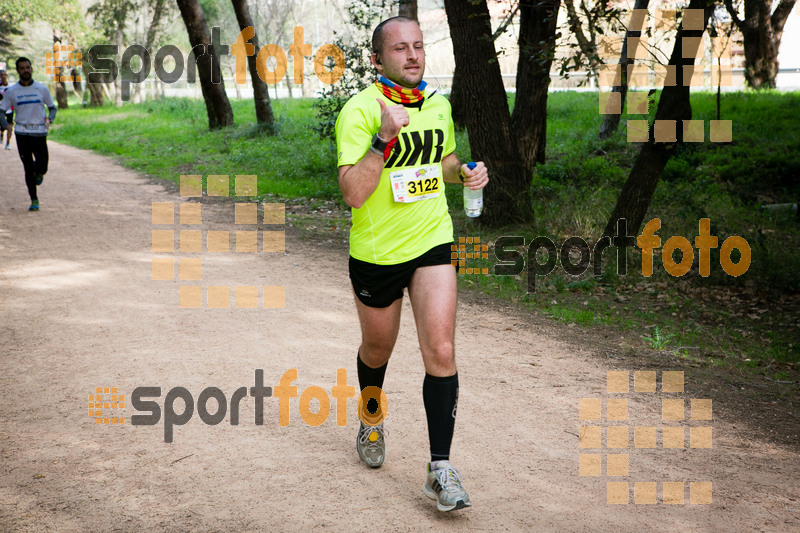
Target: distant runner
x,y
10,114
29,99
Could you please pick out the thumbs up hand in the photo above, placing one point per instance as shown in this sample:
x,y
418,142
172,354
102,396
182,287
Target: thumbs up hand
x,y
393,118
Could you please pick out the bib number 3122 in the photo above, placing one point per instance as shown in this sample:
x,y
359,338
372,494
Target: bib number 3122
x,y
414,184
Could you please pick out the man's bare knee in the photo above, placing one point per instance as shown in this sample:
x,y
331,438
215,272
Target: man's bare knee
x,y
375,354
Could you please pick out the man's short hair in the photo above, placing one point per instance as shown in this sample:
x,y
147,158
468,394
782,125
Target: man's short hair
x,y
22,60
377,35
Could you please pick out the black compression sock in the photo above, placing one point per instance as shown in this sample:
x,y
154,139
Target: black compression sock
x,y
370,377
440,396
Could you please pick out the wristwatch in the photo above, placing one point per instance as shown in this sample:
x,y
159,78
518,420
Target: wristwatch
x,y
378,145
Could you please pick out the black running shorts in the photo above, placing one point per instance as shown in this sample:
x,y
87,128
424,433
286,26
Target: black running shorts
x,y
380,285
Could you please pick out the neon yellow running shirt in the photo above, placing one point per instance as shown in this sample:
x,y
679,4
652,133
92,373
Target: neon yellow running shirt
x,y
386,231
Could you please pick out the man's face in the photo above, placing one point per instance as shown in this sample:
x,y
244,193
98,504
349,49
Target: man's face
x,y
25,71
402,58
3,78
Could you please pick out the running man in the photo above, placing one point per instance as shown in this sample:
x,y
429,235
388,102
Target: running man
x,y
396,148
10,113
29,99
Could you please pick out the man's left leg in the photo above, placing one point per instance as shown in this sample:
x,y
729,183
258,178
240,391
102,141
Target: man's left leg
x,y
41,158
433,293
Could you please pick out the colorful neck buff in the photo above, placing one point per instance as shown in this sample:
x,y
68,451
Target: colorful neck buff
x,y
400,94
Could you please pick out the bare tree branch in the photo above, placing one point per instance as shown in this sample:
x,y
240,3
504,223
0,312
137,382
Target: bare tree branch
x,y
734,16
780,15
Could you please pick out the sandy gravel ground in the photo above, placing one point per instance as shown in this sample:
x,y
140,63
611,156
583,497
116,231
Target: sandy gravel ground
x,y
78,310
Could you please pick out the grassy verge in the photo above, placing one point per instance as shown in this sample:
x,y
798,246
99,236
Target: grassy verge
x,y
749,322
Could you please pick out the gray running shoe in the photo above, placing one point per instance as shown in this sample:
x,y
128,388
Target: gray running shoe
x,y
371,445
444,485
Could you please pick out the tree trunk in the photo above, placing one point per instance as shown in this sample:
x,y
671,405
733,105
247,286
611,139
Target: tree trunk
x,y
762,32
261,100
537,30
611,121
408,8
218,107
487,118
118,78
458,100
61,89
675,104
95,95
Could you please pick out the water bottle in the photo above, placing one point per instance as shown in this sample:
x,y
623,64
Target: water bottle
x,y
473,200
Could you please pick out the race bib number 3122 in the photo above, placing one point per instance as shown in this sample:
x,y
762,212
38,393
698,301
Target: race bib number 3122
x,y
414,184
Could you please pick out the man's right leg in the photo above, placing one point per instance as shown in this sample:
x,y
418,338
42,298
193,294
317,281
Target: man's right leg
x,y
25,148
379,328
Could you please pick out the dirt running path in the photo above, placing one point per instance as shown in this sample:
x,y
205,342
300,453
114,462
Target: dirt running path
x,y
78,309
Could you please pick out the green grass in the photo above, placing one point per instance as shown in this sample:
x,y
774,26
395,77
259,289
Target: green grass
x,y
170,137
714,320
